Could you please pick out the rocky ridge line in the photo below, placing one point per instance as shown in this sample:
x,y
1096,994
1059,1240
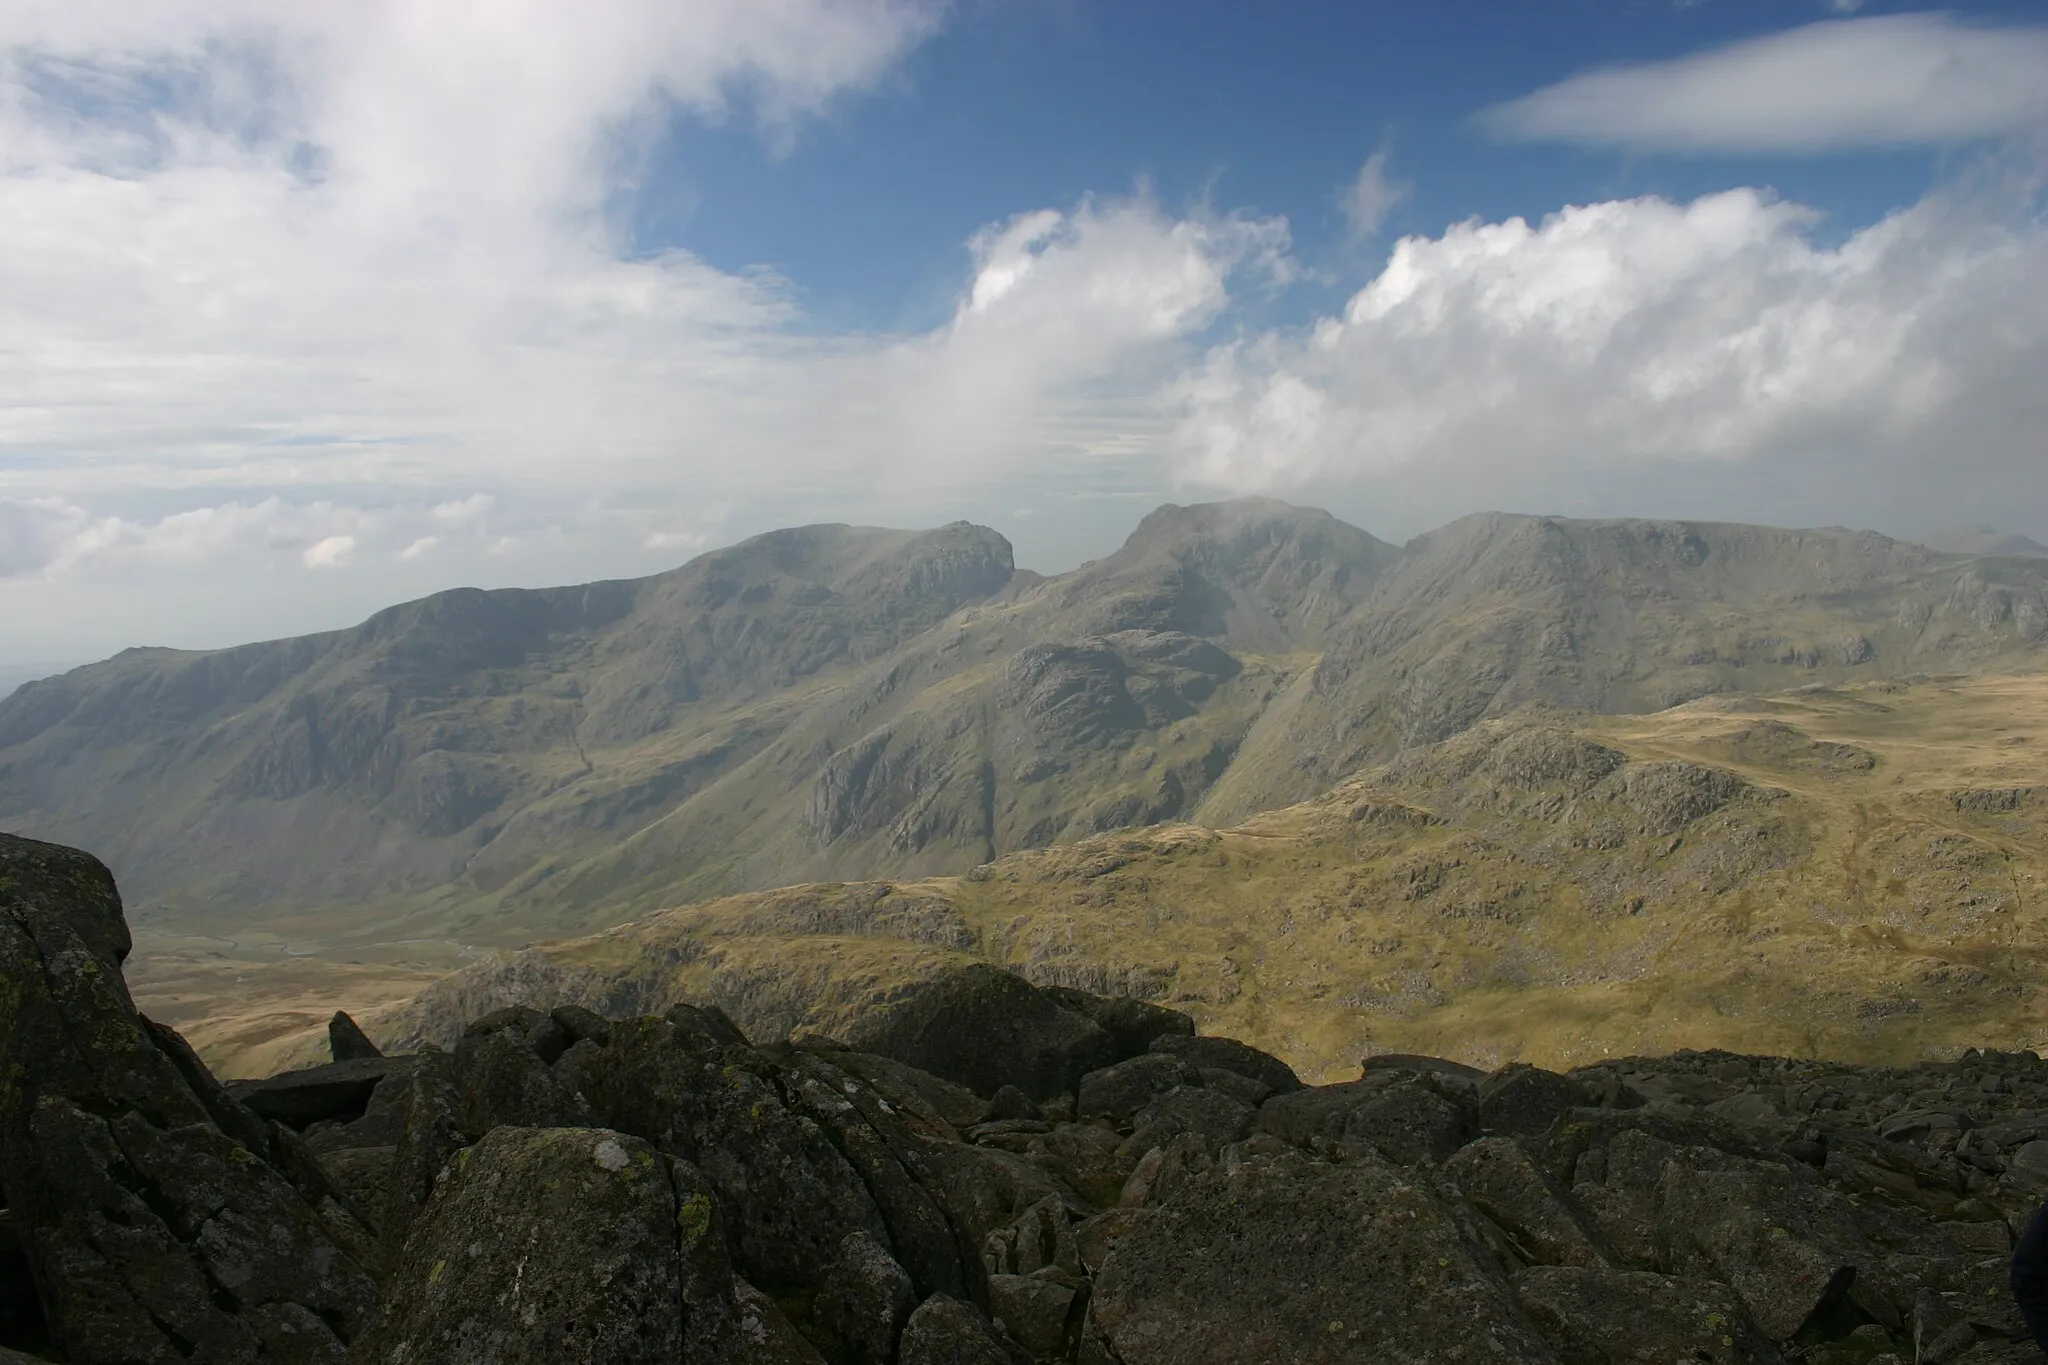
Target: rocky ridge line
x,y
985,1171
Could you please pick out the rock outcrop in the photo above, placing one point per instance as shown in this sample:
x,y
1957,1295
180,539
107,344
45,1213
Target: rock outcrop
x,y
1085,1182
158,1217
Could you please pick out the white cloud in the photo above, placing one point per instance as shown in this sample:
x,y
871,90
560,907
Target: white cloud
x,y
331,553
1641,333
251,246
1884,81
1371,196
332,287
364,252
53,540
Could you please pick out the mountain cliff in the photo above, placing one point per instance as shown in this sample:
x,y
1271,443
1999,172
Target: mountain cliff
x,y
836,702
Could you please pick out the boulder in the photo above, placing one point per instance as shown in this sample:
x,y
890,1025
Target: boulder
x,y
945,1331
981,1027
1403,1118
1130,1024
336,1092
920,1094
346,1040
151,1231
1633,1317
1037,1311
1011,1103
1211,1115
1456,1072
876,1144
768,1337
1227,1054
1118,1092
1307,1262
760,1130
363,1176
504,1080
715,1310
1789,1245
428,1136
790,1197
1088,1158
581,1025
1523,1100
866,1299
548,1245
1545,1225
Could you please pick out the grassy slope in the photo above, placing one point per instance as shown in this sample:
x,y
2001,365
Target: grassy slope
x,y
1817,872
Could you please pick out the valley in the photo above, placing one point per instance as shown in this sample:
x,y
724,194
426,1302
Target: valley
x,y
1855,872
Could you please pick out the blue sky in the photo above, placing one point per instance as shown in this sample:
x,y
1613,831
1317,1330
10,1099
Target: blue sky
x,y
1270,109
314,308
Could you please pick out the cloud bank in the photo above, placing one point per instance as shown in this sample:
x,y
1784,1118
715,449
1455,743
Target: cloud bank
x,y
1638,332
316,307
1886,81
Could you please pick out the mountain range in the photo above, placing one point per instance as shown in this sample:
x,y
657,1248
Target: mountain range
x,y
835,702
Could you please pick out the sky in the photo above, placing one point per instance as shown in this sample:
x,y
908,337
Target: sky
x,y
310,308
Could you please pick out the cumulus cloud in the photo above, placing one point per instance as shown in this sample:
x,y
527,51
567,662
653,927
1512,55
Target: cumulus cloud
x,y
1884,81
1070,319
272,246
251,250
1641,332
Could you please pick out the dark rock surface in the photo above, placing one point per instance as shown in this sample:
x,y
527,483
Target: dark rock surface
x,y
1070,1186
983,1028
334,1092
543,1245
347,1041
151,1229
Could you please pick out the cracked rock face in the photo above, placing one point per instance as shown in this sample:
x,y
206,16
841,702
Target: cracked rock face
x,y
157,1222
557,1245
567,1188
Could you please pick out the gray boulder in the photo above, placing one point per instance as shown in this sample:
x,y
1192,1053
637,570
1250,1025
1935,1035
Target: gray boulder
x,y
1131,1024
1211,1115
1307,1262
336,1091
1790,1246
1037,1310
346,1040
1633,1317
152,1231
1403,1118
1227,1054
1119,1092
549,1245
945,1331
981,1027
1524,1100
866,1299
1545,1225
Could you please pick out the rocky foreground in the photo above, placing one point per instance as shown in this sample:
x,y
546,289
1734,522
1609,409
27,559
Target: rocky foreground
x,y
983,1171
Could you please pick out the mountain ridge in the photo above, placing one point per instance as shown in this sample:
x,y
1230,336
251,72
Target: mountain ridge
x,y
836,702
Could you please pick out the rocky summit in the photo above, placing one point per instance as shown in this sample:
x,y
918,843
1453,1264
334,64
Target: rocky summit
x,y
982,1171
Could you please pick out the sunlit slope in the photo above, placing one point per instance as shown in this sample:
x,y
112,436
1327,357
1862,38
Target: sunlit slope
x,y
1854,872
